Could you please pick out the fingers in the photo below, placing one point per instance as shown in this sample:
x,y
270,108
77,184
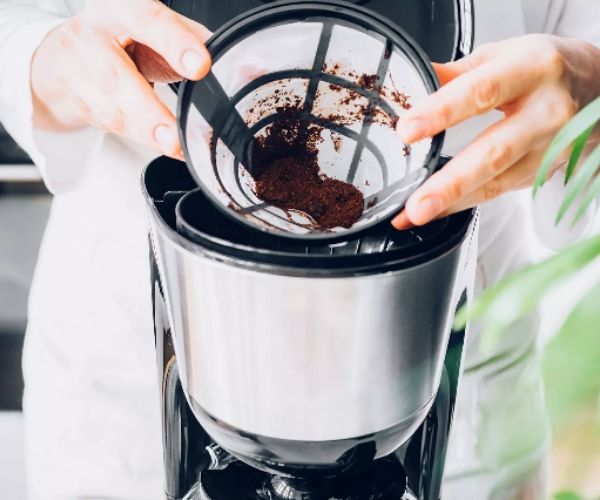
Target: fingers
x,y
520,176
531,124
476,92
123,102
401,222
496,150
449,71
495,75
163,46
146,119
82,73
178,40
201,31
524,78
152,65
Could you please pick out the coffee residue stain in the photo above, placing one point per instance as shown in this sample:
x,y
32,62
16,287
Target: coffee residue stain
x,y
398,97
337,141
285,164
368,82
401,99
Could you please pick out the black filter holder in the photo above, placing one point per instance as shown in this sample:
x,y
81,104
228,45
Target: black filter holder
x,y
199,226
218,139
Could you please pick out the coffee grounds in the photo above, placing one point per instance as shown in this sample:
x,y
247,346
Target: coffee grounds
x,y
287,175
293,184
368,82
285,164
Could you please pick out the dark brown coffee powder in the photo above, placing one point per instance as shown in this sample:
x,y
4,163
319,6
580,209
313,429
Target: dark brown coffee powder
x,y
286,172
294,184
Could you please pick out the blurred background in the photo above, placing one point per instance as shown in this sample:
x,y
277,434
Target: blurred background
x,y
571,366
24,209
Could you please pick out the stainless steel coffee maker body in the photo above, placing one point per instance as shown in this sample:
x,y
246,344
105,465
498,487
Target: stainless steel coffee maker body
x,y
294,355
283,351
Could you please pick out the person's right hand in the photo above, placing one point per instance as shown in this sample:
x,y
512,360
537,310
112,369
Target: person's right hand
x,y
96,68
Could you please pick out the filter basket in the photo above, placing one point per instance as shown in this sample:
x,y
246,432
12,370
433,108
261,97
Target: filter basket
x,y
293,131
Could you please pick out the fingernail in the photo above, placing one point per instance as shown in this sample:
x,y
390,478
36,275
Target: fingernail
x,y
411,130
193,62
402,222
428,208
167,139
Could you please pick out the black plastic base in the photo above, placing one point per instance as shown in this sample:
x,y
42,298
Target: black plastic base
x,y
383,480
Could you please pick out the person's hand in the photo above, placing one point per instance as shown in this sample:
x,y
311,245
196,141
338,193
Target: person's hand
x,y
96,69
538,81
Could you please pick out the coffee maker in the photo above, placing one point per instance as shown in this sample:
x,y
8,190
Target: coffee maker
x,y
313,370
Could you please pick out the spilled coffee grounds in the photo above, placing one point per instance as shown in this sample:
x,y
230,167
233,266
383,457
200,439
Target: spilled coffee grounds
x,y
286,172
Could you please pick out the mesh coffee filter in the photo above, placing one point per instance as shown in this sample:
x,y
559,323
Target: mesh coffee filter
x,y
302,82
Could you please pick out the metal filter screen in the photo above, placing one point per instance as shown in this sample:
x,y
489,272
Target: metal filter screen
x,y
349,81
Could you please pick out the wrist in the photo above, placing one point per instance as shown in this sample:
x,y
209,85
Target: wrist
x,y
582,70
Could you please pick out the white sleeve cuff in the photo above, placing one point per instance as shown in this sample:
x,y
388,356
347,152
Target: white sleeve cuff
x,y
61,157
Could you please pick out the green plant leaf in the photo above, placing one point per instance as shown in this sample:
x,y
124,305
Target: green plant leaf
x,y
592,192
583,120
578,147
518,294
571,361
580,182
567,495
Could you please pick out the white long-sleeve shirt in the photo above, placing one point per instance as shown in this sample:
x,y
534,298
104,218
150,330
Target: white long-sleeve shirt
x,y
91,398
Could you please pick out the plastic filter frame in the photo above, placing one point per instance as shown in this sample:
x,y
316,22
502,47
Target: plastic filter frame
x,y
345,71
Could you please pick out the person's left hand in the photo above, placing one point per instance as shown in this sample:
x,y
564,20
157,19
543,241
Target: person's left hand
x,y
538,81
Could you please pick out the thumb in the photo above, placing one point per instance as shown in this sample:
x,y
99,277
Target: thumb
x,y
449,71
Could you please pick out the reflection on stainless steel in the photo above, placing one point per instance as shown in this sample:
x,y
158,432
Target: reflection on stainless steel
x,y
308,358
196,493
219,458
467,30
